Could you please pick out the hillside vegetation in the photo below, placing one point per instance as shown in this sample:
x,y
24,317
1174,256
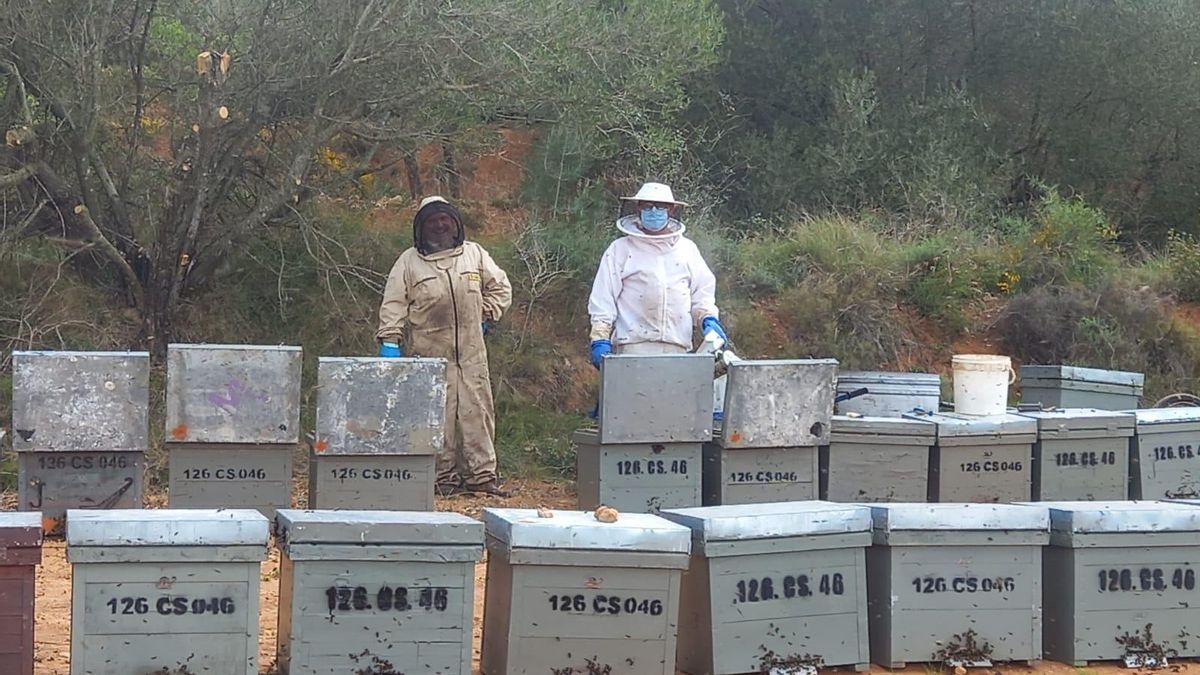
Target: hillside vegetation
x,y
883,183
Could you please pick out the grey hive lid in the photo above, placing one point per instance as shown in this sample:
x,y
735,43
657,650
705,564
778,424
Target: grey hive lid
x,y
20,529
1095,375
1118,516
898,517
854,379
955,425
773,520
579,530
84,355
1081,419
167,527
426,528
1153,416
883,426
246,348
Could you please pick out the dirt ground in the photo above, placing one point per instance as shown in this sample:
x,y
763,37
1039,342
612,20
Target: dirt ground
x,y
54,596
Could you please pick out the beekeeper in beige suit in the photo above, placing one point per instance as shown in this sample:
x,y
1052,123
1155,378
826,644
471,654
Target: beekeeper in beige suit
x,y
440,298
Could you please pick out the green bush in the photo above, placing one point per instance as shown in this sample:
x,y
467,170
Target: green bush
x,y
951,275
1112,326
1183,265
1071,242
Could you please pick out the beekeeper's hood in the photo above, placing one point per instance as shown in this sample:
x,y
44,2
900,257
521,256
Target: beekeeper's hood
x,y
428,207
657,193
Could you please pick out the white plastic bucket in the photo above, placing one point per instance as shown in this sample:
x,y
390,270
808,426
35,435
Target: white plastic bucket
x,y
981,383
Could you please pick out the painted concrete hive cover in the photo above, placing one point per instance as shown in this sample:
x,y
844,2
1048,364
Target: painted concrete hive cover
x,y
955,425
233,394
374,406
81,401
933,517
1167,416
21,530
779,404
1093,375
1121,516
167,527
656,399
379,527
845,425
580,530
738,522
1067,420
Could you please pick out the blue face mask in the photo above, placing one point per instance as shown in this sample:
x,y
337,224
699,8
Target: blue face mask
x,y
654,218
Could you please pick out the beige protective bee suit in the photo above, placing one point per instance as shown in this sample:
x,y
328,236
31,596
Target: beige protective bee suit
x,y
434,304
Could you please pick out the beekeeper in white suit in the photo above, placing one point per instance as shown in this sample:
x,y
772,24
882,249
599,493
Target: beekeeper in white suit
x,y
653,285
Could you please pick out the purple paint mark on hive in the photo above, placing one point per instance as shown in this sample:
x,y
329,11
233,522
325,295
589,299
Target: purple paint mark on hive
x,y
236,392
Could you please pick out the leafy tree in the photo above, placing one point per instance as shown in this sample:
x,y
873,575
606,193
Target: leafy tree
x,y
155,138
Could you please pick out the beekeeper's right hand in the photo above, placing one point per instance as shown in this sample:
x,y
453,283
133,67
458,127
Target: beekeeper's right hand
x,y
390,350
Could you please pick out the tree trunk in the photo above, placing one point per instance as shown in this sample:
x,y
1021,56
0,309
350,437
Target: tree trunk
x,y
450,167
414,174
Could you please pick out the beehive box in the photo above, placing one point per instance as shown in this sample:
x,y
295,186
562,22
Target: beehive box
x,y
774,586
81,401
889,394
233,394
380,406
656,399
165,591
230,476
53,482
635,477
20,553
759,475
1165,455
980,459
1081,454
384,482
376,592
778,404
943,580
877,459
571,594
1120,579
1073,387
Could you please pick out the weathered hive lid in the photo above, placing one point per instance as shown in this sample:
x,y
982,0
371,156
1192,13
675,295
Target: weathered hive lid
x,y
956,425
20,530
433,528
81,401
930,382
883,426
380,406
205,347
1119,516
908,517
247,394
740,522
167,527
1165,416
579,530
778,404
1092,375
1065,420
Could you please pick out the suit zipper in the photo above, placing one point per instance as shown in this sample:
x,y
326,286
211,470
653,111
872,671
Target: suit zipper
x,y
454,304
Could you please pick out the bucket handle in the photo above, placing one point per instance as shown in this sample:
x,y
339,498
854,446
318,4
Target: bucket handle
x,y
1012,375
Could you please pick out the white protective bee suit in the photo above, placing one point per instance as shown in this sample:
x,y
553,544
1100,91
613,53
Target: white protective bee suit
x,y
651,291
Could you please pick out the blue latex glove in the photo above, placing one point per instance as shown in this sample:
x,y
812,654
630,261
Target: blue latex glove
x,y
711,325
600,349
390,350
487,326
